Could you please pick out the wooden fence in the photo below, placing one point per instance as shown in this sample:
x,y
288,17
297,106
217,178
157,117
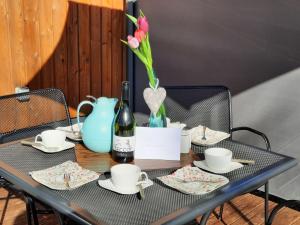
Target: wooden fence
x,y
73,45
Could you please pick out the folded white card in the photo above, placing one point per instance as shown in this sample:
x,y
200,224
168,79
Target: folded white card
x,y
158,143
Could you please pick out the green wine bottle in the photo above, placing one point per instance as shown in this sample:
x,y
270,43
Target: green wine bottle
x,y
124,129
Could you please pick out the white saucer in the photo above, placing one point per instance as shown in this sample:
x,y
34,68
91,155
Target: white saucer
x,y
68,130
72,137
66,146
107,184
233,166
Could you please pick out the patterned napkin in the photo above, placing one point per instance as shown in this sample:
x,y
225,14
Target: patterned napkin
x,y
192,180
212,136
53,177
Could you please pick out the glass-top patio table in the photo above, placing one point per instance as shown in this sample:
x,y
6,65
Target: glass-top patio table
x,y
91,204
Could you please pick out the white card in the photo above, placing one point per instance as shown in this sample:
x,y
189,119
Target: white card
x,y
157,143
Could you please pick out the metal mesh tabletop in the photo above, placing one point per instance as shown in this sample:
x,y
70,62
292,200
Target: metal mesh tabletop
x,y
27,159
112,208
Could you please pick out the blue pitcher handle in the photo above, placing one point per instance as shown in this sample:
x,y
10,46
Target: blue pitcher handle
x,y
78,111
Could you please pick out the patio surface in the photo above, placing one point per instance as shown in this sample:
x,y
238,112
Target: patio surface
x,y
273,107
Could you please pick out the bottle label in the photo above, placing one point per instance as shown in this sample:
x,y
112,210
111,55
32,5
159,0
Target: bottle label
x,y
124,144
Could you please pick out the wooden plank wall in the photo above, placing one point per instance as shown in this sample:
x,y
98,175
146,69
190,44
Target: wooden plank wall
x,y
69,44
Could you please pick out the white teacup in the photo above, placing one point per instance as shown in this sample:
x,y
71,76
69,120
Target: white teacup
x,y
51,138
185,144
218,158
126,177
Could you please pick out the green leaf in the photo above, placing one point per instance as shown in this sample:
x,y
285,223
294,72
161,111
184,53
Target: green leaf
x,y
149,49
151,76
133,19
141,13
140,56
145,51
142,47
125,42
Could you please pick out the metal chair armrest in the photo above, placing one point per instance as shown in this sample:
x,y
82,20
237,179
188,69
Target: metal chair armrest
x,y
267,142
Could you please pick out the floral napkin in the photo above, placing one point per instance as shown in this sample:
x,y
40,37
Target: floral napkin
x,y
53,177
212,136
192,180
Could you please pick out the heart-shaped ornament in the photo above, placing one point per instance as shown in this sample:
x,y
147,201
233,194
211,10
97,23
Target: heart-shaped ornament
x,y
154,98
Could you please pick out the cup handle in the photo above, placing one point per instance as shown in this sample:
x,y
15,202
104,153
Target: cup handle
x,y
78,112
144,180
36,139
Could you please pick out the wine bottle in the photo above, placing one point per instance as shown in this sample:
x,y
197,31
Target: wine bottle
x,y
124,129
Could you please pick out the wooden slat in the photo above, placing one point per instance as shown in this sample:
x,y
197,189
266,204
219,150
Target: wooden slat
x,y
73,59
32,44
6,82
287,216
84,50
18,70
106,48
16,212
124,49
16,27
241,206
255,215
60,9
100,3
296,222
96,63
47,42
117,47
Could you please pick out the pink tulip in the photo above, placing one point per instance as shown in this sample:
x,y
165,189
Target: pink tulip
x,y
143,24
133,42
140,35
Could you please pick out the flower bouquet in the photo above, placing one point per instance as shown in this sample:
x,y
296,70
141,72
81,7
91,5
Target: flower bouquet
x,y
155,95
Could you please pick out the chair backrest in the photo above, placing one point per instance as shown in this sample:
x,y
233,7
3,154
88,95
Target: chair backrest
x,y
200,105
27,114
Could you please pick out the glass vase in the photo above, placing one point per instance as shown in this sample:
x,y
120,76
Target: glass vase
x,y
160,119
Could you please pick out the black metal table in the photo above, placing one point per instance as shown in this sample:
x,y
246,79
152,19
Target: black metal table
x,y
91,204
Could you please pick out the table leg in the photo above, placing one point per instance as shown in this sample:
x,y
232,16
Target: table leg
x,y
5,206
266,202
31,210
28,210
220,215
59,217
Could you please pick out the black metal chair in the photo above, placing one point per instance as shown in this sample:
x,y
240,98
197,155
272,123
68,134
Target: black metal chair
x,y
25,115
209,106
